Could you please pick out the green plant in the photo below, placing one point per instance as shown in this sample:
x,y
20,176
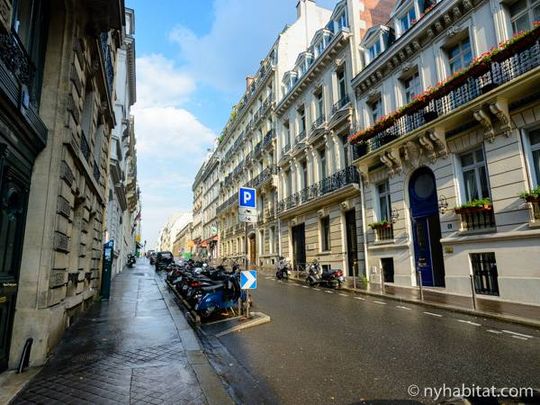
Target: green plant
x,y
534,193
476,203
380,224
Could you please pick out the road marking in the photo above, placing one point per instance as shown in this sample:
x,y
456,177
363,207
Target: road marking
x,y
518,334
405,308
359,298
497,332
329,292
519,337
317,289
343,295
305,286
268,278
469,322
432,314
379,302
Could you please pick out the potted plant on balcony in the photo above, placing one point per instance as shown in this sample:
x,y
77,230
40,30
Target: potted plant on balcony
x,y
476,205
532,196
384,224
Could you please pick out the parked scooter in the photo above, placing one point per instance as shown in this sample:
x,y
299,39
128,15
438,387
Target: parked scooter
x,y
131,260
328,278
283,269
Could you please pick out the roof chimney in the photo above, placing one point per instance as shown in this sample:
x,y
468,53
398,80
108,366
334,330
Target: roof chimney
x,y
301,7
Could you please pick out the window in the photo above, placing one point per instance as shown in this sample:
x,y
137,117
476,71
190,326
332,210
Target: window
x,y
534,156
484,267
342,21
475,181
340,76
325,234
375,108
459,55
407,20
304,174
322,155
523,13
319,104
301,120
286,134
374,50
319,48
385,203
411,87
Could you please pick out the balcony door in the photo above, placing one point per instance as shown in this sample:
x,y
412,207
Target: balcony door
x,y
426,228
299,246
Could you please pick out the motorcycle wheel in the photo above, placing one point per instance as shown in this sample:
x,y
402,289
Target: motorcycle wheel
x,y
205,314
278,275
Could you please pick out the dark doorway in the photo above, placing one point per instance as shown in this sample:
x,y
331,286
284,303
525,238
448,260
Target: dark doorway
x,y
299,246
13,201
352,243
426,227
387,264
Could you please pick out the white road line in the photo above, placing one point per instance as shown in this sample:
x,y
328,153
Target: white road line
x,y
432,314
329,292
468,322
343,295
497,332
519,337
518,334
268,278
379,302
405,308
305,286
359,298
317,289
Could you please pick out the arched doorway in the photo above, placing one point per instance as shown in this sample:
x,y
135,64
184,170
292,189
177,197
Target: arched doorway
x,y
426,227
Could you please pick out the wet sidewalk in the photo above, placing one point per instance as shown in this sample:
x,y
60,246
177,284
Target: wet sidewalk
x,y
137,348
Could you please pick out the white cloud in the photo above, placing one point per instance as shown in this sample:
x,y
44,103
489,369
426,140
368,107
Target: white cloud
x,y
160,83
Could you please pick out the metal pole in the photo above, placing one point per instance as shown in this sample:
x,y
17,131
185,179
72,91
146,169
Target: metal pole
x,y
473,291
355,269
419,282
247,266
382,281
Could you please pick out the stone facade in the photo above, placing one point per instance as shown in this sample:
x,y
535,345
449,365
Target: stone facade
x,y
61,261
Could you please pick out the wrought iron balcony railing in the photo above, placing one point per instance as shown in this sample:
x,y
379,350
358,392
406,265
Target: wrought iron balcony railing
x,y
318,122
338,180
505,65
268,138
301,136
107,61
342,102
286,148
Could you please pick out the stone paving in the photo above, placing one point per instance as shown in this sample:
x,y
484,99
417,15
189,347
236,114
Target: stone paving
x,y
125,351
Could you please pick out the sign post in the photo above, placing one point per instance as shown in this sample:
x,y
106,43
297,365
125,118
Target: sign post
x,y
247,213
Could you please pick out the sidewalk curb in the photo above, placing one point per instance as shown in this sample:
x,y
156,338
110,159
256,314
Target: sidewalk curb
x,y
12,383
209,381
259,319
491,315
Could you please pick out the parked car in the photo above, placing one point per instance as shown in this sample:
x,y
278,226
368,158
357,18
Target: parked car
x,y
163,259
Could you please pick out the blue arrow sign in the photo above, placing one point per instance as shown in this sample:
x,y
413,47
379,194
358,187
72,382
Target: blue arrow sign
x,y
248,280
247,197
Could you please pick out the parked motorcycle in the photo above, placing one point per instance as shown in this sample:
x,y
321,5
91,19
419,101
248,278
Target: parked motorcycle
x,y
283,269
131,260
328,278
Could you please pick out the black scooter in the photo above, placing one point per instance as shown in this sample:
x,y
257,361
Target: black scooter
x,y
131,260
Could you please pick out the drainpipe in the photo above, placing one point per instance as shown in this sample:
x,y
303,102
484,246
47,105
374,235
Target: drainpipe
x,y
279,237
364,233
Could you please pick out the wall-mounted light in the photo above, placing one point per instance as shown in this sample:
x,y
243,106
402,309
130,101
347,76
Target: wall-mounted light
x,y
443,204
394,215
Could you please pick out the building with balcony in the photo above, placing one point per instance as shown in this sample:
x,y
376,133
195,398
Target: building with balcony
x,y
318,192
169,232
448,109
57,79
122,163
245,155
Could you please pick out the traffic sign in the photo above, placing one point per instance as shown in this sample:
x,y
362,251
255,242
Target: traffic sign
x,y
245,217
248,280
247,197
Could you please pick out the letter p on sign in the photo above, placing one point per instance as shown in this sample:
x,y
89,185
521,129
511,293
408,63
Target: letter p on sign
x,y
247,197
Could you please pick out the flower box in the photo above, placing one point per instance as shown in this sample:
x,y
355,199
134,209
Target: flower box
x,y
472,210
532,199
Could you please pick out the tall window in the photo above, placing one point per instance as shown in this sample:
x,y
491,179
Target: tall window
x,y
374,50
319,104
342,21
287,135
325,234
301,120
322,155
523,13
534,140
385,203
304,174
408,19
460,55
475,181
340,75
288,179
375,108
411,86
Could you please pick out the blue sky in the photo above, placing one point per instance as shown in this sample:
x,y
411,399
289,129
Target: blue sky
x,y
192,60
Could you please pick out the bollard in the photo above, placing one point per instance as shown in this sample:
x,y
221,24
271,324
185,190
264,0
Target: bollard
x,y
382,281
473,291
419,282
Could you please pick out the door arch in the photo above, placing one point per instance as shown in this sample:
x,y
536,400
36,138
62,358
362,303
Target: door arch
x,y
426,227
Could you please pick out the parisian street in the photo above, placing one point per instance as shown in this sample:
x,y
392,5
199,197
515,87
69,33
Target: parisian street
x,y
325,346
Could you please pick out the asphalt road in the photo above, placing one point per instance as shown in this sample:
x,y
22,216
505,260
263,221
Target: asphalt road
x,y
333,347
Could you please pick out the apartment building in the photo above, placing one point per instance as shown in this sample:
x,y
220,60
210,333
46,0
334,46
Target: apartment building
x,y
319,205
448,148
57,90
246,151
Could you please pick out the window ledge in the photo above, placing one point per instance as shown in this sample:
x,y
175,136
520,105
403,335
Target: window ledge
x,y
482,231
534,224
325,253
385,242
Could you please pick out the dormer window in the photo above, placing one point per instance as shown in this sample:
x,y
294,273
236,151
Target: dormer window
x,y
407,20
342,21
374,50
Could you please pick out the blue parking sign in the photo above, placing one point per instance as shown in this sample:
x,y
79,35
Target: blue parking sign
x,y
247,197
